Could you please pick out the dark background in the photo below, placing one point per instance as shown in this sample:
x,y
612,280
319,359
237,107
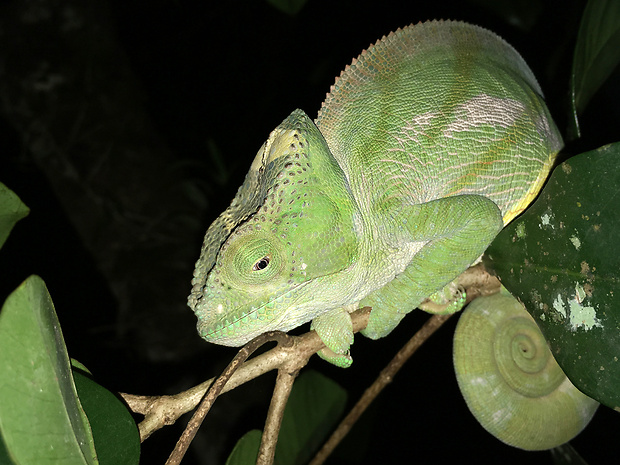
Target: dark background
x,y
127,127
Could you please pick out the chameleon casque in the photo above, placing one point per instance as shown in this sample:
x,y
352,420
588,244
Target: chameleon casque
x,y
427,145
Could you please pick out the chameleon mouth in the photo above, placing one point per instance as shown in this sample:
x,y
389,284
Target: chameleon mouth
x,y
244,323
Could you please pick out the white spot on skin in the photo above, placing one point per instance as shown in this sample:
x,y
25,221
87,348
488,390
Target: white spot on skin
x,y
479,381
415,130
219,309
501,415
484,110
575,241
304,266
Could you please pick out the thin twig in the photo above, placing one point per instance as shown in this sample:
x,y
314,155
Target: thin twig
x,y
269,440
192,427
386,376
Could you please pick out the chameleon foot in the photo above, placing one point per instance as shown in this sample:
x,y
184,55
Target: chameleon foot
x,y
335,329
446,301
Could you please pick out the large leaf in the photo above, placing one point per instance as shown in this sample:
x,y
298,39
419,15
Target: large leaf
x,y
245,451
41,419
11,211
597,53
116,435
562,259
315,405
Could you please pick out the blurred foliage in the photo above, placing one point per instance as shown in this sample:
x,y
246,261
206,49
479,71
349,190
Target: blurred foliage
x,y
44,417
597,54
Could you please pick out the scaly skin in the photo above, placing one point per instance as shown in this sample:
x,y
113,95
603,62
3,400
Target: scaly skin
x,y
427,144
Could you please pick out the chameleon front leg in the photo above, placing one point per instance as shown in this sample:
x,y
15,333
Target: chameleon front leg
x,y
457,230
335,329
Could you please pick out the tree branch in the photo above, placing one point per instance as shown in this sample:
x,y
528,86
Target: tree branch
x,y
281,392
160,411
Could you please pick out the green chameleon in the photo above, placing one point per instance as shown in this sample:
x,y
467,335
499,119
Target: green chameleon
x,y
427,145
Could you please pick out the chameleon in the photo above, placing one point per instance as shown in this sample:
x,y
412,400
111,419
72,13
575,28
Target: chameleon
x,y
426,146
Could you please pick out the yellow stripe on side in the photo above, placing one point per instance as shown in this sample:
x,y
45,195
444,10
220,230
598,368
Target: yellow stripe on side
x,y
532,192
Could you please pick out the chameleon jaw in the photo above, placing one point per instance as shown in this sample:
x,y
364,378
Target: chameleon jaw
x,y
237,327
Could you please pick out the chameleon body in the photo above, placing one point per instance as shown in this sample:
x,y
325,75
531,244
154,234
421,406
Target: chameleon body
x,y
426,146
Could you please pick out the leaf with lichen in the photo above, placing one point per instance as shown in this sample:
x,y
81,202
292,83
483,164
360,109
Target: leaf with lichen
x,y
562,259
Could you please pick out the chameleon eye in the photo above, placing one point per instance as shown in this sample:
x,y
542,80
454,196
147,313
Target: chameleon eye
x,y
254,259
262,263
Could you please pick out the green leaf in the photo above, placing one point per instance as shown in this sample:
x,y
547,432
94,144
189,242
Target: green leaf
x,y
245,451
41,419
12,210
597,53
315,405
562,259
77,365
116,435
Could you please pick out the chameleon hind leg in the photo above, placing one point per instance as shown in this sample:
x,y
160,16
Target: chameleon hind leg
x,y
448,300
457,230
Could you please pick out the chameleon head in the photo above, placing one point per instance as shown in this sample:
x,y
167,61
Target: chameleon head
x,y
289,227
